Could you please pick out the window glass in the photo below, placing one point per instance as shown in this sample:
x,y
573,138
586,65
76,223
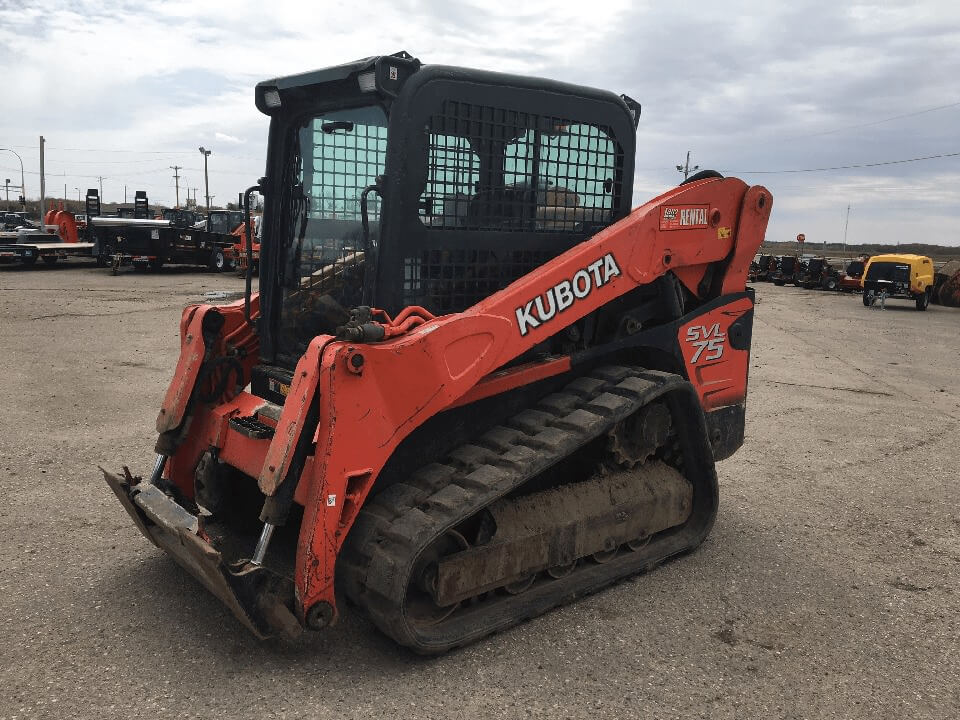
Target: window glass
x,y
343,153
340,154
890,271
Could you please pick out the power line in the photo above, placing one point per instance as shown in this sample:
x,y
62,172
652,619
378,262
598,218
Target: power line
x,y
108,162
223,172
64,173
80,175
843,167
136,152
876,122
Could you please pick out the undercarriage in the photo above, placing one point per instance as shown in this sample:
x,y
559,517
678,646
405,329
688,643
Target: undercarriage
x,y
604,479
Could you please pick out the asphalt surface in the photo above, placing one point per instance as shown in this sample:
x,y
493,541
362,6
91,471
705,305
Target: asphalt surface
x,y
828,588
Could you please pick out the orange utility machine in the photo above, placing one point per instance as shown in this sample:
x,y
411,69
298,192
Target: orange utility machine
x,y
474,383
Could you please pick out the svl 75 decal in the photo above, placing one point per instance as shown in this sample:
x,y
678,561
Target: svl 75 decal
x,y
707,342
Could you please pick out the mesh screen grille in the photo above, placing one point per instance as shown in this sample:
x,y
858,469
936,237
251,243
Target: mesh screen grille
x,y
343,163
506,171
448,281
499,169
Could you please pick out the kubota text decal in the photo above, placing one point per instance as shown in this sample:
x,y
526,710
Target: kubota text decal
x,y
544,307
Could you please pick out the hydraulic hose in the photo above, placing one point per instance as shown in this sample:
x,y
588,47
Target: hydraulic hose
x,y
369,255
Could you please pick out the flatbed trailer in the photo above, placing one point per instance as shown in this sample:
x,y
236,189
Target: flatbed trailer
x,y
50,252
151,246
148,242
56,239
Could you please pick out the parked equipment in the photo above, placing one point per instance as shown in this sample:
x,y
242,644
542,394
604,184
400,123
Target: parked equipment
x,y
761,268
898,276
479,385
239,254
818,273
181,216
14,220
57,239
850,281
789,269
946,289
223,222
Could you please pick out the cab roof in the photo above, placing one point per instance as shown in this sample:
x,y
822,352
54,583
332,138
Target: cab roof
x,y
390,73
319,77
899,257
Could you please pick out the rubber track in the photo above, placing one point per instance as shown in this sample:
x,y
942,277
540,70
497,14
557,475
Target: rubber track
x,y
395,526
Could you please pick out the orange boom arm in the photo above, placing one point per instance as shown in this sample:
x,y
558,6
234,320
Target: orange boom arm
x,y
365,413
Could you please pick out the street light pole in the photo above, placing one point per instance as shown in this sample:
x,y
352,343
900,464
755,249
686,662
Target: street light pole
x,y
43,180
846,224
23,188
206,177
78,194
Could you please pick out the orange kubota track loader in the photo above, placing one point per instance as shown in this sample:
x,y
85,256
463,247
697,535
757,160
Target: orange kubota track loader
x,y
474,384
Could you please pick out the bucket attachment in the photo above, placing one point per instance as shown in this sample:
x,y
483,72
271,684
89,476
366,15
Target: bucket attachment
x,y
259,597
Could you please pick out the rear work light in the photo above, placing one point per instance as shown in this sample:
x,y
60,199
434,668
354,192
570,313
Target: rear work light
x,y
367,81
271,98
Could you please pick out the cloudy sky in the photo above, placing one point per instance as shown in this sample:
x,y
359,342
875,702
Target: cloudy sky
x,y
127,89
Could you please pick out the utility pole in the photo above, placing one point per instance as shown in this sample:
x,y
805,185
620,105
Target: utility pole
x,y
846,224
206,177
685,168
43,182
124,194
23,188
176,180
79,199
100,178
7,185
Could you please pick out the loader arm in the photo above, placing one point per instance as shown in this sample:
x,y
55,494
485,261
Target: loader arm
x,y
372,395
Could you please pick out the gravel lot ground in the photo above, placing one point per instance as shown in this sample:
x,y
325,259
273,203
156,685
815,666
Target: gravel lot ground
x,y
829,587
